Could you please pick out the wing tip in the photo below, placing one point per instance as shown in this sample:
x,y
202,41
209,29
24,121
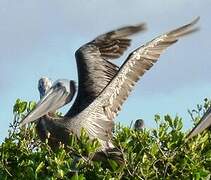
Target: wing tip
x,y
195,20
185,29
141,27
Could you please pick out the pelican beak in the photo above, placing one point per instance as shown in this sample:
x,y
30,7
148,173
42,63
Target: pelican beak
x,y
203,124
53,100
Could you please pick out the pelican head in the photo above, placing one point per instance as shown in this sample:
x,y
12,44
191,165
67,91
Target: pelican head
x,y
139,124
58,95
44,84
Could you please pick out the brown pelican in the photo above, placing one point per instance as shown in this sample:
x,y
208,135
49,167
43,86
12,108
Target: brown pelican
x,y
203,124
44,84
103,87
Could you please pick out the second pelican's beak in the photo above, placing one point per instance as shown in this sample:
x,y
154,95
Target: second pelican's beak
x,y
203,124
53,100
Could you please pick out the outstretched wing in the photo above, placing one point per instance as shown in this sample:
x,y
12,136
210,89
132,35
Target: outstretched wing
x,y
94,68
203,124
108,103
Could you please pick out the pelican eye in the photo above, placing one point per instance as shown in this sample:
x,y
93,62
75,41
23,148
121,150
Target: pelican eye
x,y
59,84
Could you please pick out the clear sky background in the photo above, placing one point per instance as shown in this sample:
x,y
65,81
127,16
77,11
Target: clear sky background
x,y
39,38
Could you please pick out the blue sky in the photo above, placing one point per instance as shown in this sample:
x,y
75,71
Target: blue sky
x,y
39,38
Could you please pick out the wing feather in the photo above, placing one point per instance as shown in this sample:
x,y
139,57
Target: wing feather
x,y
105,108
95,70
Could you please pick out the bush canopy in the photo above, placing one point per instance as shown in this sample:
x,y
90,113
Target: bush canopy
x,y
158,153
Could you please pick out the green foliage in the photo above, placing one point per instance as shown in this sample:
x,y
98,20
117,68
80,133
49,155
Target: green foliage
x,y
159,153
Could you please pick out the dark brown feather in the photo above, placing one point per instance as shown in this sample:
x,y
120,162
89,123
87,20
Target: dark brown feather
x,y
94,69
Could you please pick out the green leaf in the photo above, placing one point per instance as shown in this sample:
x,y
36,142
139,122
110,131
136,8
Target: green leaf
x,y
113,164
78,177
39,167
31,106
169,120
20,106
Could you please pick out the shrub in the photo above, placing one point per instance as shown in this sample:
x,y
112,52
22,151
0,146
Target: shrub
x,y
158,153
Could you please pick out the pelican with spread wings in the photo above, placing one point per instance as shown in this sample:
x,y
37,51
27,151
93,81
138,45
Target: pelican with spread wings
x,y
103,86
